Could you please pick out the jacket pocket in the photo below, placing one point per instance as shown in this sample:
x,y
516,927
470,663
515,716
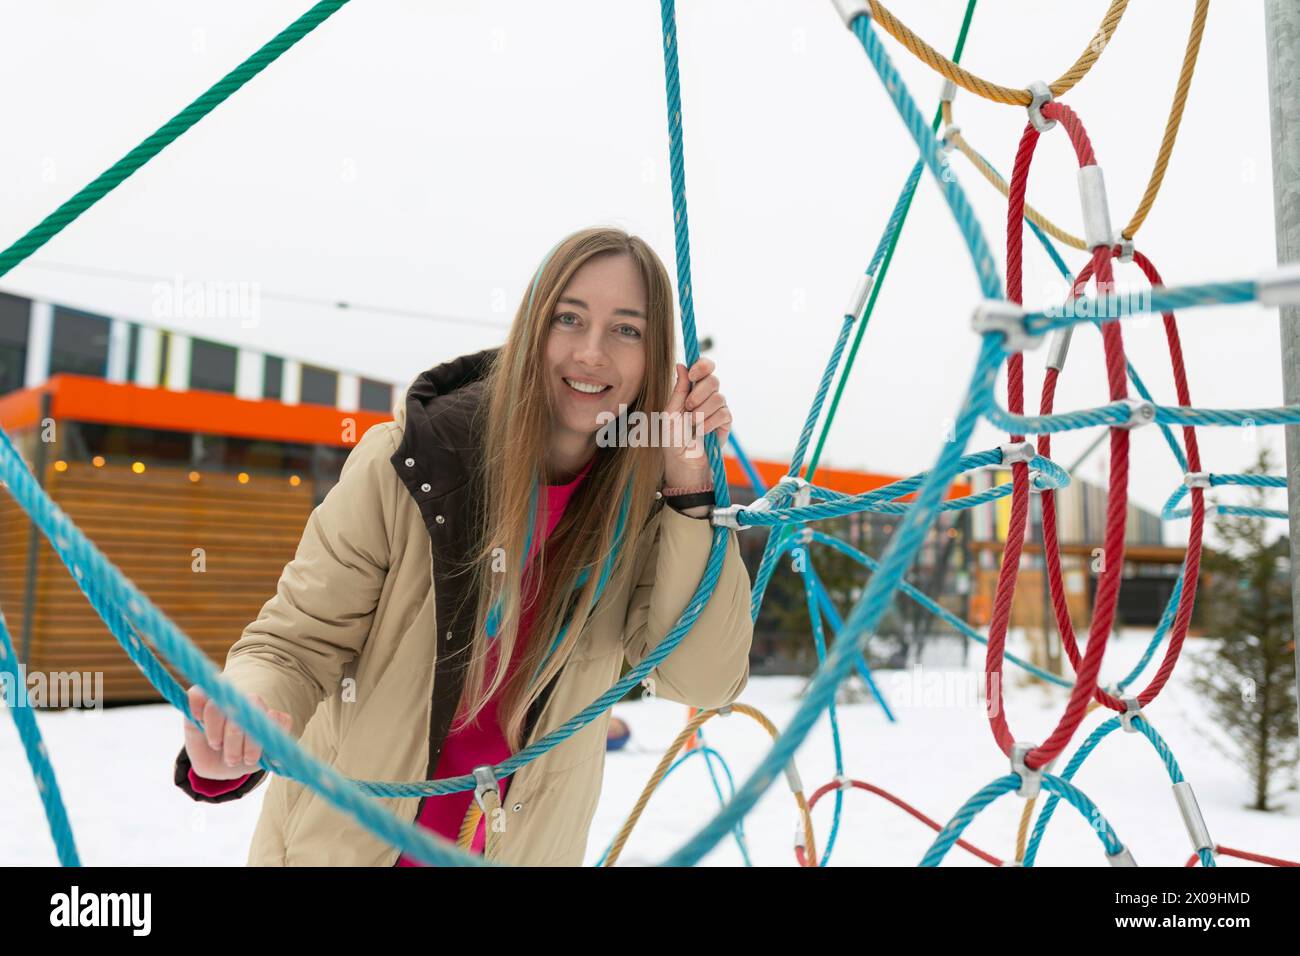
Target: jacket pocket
x,y
583,680
299,804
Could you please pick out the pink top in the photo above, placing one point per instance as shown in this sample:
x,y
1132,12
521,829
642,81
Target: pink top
x,y
476,745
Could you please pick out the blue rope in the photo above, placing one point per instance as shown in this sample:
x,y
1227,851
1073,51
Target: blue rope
x,y
1171,510
1136,379
819,641
837,624
923,599
1252,512
1051,476
784,543
1082,754
951,833
1121,305
908,538
677,171
709,755
129,614
56,814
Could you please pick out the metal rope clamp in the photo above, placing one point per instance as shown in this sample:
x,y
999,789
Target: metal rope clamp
x,y
802,492
1121,857
1125,247
999,315
1059,347
850,10
845,783
800,497
1279,288
485,782
1031,781
858,300
1140,412
792,778
945,138
1197,479
1040,95
1013,453
729,517
1096,209
1192,817
1132,709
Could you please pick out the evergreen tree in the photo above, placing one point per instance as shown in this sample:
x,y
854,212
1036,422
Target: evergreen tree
x,y
1250,681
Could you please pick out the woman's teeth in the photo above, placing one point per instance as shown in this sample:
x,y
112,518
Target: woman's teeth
x,y
584,387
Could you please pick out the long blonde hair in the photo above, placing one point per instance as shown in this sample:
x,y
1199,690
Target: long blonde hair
x,y
519,401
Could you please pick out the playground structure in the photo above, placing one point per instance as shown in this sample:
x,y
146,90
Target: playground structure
x,y
1007,328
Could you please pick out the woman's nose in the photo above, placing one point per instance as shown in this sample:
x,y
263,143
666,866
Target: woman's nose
x,y
592,351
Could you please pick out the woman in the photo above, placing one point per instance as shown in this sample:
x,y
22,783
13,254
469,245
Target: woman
x,y
413,636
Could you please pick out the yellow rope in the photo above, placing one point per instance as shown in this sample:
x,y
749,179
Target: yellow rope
x,y
469,826
1022,835
1162,157
1034,216
982,87
1175,118
664,764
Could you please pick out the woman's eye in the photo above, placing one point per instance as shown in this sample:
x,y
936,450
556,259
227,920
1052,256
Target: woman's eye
x,y
631,331
565,315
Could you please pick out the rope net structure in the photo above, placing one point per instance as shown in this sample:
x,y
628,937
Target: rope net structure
x,y
790,510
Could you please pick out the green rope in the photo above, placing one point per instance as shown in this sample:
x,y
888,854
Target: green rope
x,y
107,181
884,269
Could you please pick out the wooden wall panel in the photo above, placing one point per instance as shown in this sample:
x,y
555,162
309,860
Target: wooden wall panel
x,y
149,525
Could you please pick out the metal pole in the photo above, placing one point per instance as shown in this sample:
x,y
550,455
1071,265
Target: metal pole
x,y
1282,38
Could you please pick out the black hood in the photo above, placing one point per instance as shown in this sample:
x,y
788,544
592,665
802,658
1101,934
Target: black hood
x,y
440,416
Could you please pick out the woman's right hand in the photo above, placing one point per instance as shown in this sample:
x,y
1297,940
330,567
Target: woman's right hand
x,y
222,751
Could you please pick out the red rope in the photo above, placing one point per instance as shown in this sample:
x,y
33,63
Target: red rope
x,y
1243,855
801,854
1192,563
1183,615
1108,585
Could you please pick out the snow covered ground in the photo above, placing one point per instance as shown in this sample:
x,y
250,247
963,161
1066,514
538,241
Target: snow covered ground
x,y
115,766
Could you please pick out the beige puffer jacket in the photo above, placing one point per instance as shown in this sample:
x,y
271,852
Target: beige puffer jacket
x,y
363,601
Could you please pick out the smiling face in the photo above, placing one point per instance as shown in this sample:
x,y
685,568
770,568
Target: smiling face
x,y
595,347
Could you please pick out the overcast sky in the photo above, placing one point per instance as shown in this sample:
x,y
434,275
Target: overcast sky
x,y
423,156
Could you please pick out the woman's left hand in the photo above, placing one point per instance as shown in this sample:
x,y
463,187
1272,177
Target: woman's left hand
x,y
702,409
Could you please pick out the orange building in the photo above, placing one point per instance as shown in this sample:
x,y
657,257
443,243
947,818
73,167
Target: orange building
x,y
193,465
